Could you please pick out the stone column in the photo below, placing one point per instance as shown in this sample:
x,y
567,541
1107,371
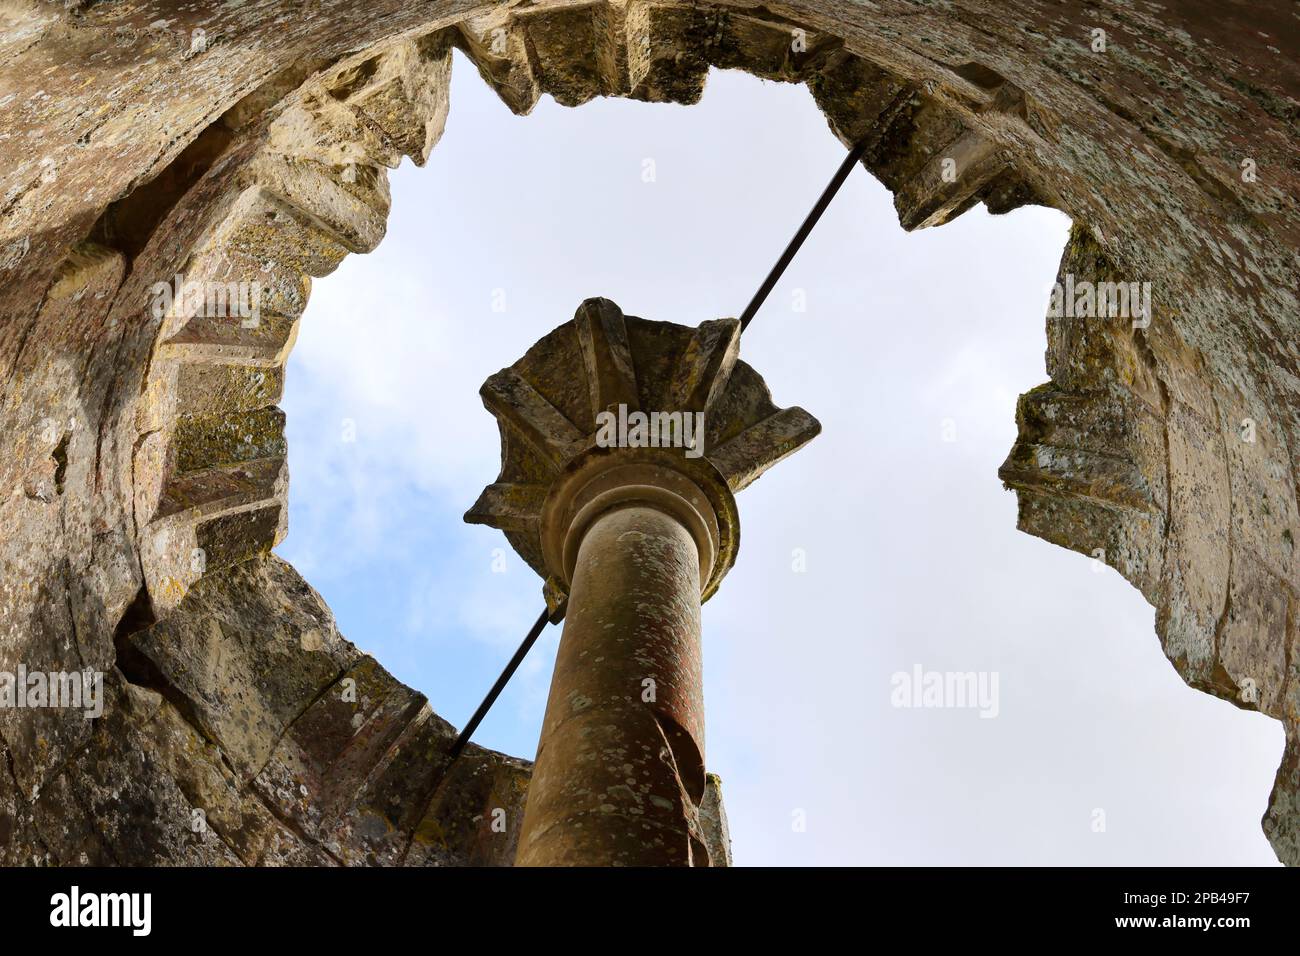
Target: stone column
x,y
631,538
620,765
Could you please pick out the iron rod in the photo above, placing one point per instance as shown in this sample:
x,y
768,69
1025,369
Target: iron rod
x,y
500,685
809,222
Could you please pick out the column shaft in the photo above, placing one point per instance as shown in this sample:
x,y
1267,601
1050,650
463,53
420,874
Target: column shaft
x,y
620,766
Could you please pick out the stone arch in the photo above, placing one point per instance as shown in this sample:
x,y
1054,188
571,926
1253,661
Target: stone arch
x,y
167,489
211,482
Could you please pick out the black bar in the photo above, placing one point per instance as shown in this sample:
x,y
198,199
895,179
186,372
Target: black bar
x,y
500,685
935,906
827,195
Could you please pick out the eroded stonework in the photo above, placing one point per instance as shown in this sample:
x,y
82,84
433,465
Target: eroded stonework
x,y
142,483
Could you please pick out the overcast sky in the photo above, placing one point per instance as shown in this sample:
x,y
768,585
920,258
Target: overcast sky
x,y
1096,752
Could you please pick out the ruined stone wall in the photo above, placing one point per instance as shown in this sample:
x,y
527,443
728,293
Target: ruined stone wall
x,y
142,478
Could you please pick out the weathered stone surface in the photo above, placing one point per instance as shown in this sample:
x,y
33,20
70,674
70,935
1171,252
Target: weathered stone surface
x,y
265,651
713,822
133,153
475,814
243,728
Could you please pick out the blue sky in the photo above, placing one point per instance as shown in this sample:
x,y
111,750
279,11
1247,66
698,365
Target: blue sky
x,y
909,550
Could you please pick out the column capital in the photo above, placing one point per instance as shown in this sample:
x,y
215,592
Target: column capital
x,y
609,406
